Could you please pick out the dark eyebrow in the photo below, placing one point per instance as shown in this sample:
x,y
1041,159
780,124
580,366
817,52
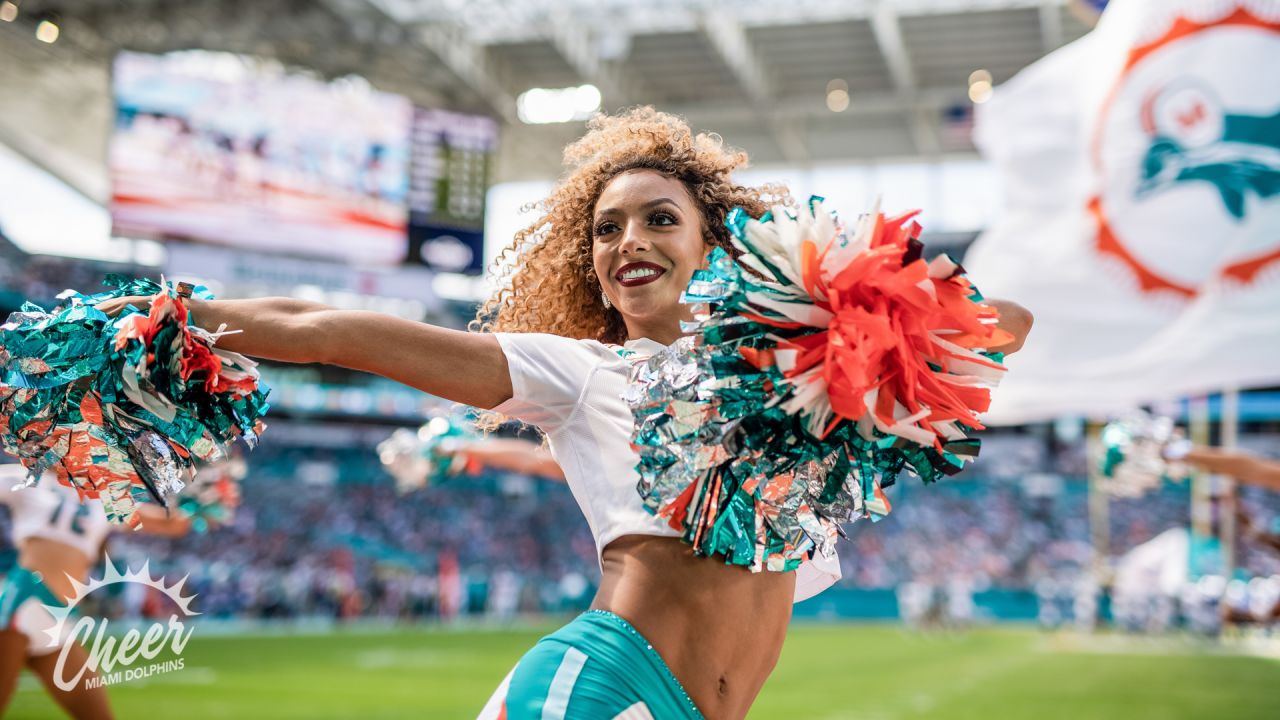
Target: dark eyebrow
x,y
652,203
659,201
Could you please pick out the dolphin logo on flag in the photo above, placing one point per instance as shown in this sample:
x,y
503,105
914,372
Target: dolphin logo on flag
x,y
1193,139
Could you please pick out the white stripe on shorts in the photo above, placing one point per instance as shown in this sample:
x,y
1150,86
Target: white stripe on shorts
x,y
639,711
557,703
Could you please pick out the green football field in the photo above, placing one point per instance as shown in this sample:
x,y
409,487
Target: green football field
x,y
876,672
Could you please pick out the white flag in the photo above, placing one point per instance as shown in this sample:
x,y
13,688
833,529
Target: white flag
x,y
1142,220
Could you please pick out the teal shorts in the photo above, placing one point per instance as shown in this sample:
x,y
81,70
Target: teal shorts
x,y
597,667
19,586
22,595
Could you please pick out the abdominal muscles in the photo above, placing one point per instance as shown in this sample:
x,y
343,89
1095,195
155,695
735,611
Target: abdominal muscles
x,y
718,627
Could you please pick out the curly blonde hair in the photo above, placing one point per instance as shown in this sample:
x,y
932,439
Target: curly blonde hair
x,y
548,283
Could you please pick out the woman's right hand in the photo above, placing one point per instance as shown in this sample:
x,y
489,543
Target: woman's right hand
x,y
115,306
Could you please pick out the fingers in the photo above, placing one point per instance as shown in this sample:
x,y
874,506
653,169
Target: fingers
x,y
115,306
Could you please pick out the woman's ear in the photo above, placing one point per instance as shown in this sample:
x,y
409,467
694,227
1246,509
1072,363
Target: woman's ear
x,y
711,245
709,237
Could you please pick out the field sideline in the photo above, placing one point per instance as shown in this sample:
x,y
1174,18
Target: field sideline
x,y
869,672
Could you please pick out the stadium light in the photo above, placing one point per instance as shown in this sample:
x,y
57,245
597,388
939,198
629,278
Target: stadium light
x,y
541,106
981,92
437,426
8,11
980,86
838,100
47,31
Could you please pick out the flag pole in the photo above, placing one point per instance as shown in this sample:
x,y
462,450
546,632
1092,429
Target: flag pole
x,y
1229,438
1099,509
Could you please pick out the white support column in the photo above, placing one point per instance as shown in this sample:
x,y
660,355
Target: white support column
x,y
1051,25
1229,438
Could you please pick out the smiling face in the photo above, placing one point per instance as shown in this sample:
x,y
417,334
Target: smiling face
x,y
647,239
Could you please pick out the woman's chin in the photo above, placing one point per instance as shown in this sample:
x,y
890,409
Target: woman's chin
x,y
649,304
642,300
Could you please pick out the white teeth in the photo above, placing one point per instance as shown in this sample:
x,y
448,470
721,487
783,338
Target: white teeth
x,y
638,273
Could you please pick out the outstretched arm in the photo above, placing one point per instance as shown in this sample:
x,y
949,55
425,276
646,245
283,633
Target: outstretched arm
x,y
464,367
1260,536
519,456
1245,467
157,521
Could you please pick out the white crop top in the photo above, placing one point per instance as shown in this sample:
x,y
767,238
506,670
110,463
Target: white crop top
x,y
572,390
52,511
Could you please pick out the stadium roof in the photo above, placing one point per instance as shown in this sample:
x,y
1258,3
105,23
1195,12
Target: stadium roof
x,y
756,71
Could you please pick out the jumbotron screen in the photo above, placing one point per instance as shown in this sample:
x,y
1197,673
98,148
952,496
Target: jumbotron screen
x,y
230,150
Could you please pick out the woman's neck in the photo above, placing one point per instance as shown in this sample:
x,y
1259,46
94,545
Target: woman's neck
x,y
665,333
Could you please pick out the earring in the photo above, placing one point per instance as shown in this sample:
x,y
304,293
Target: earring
x,y
605,299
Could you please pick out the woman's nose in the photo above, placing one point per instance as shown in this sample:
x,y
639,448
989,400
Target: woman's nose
x,y
633,240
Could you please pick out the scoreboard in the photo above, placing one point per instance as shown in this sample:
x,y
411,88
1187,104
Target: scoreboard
x,y
451,166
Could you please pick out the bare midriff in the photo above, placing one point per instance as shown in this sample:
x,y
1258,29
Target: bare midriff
x,y
718,627
54,561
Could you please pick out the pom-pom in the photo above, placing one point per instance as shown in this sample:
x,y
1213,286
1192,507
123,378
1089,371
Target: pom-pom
x,y
429,455
120,408
820,365
1139,452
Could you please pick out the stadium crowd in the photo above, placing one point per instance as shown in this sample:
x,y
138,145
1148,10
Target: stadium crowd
x,y
323,534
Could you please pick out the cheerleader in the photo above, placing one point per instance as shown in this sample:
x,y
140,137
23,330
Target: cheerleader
x,y
594,284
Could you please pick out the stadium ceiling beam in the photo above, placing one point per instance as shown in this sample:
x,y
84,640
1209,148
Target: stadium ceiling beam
x,y
84,175
867,105
893,47
447,42
728,38
576,44
467,60
57,107
665,17
1051,36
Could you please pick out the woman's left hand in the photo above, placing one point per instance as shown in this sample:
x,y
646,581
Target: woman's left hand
x,y
1015,320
